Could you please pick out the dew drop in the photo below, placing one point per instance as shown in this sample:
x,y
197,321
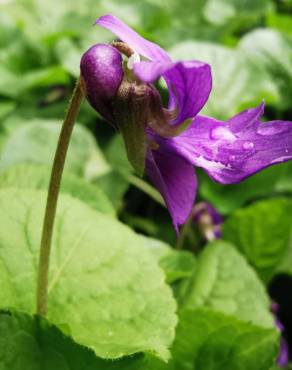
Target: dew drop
x,y
248,145
223,133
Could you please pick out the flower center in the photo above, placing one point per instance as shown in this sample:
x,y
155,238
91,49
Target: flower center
x,y
146,98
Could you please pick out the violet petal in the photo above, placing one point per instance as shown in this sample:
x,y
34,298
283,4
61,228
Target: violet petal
x,y
175,179
233,150
132,38
189,84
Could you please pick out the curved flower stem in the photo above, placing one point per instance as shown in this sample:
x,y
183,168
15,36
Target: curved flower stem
x,y
52,198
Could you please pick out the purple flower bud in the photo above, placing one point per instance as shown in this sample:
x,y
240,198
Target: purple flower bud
x,y
120,97
102,73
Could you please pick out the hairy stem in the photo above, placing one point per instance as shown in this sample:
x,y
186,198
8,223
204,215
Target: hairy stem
x,y
52,199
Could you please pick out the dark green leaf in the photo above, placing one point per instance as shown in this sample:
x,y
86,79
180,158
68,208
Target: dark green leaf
x,y
30,342
208,340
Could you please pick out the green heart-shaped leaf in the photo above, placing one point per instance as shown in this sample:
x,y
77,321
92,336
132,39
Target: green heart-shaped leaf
x,y
105,289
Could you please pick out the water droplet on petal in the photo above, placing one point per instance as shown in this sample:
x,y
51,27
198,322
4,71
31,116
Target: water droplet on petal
x,y
223,133
248,145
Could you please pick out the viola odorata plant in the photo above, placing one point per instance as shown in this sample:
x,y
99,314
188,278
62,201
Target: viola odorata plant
x,y
165,142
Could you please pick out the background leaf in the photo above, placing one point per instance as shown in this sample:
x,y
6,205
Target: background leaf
x,y
262,232
176,265
225,282
208,340
272,50
236,82
227,198
28,176
36,142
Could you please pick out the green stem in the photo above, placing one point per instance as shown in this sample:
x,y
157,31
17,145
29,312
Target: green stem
x,y
52,198
184,232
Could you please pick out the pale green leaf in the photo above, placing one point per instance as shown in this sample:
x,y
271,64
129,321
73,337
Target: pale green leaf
x,y
225,282
177,265
29,176
104,288
115,153
36,142
270,48
114,185
272,51
14,84
69,56
220,12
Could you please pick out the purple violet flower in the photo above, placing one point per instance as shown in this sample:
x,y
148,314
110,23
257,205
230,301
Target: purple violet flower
x,y
169,142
